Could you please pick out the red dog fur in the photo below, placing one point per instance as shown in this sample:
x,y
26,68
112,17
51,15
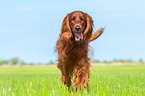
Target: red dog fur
x,y
72,47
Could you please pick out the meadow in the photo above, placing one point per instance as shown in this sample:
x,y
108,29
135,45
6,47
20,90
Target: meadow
x,y
45,81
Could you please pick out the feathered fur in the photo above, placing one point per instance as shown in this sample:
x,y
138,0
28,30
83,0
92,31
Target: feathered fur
x,y
73,55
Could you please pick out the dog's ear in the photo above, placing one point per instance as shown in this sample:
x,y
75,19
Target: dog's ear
x,y
67,22
89,22
66,25
89,26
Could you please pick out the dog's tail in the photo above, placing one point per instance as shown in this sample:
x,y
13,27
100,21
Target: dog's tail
x,y
97,34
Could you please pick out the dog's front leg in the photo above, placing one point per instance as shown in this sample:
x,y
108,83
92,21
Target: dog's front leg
x,y
81,80
68,75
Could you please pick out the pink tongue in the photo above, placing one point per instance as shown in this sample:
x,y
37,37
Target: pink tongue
x,y
78,36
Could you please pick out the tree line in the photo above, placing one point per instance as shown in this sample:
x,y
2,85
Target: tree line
x,y
17,61
12,61
118,60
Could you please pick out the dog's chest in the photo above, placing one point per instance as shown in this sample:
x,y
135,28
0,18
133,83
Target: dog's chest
x,y
77,52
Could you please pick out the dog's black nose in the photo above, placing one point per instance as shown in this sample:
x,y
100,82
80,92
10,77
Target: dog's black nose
x,y
77,28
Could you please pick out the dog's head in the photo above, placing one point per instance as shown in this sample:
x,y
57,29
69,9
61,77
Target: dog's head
x,y
79,24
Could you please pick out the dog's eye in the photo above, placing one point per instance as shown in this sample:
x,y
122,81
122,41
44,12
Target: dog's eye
x,y
73,19
82,19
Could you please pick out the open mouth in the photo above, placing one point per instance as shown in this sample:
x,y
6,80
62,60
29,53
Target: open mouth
x,y
78,36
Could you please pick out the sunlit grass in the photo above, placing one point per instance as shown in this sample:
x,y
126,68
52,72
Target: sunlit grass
x,y
104,81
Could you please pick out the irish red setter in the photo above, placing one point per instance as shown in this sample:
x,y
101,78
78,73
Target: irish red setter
x,y
72,47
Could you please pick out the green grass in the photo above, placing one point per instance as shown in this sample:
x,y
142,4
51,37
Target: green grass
x,y
104,81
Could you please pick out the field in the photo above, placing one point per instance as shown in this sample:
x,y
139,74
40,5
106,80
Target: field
x,y
45,81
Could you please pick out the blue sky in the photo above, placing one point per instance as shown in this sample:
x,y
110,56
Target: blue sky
x,y
29,29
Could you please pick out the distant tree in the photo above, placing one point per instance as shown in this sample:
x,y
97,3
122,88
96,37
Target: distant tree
x,y
129,60
114,60
141,61
122,61
1,62
31,63
22,62
105,61
5,61
51,62
14,61
96,61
